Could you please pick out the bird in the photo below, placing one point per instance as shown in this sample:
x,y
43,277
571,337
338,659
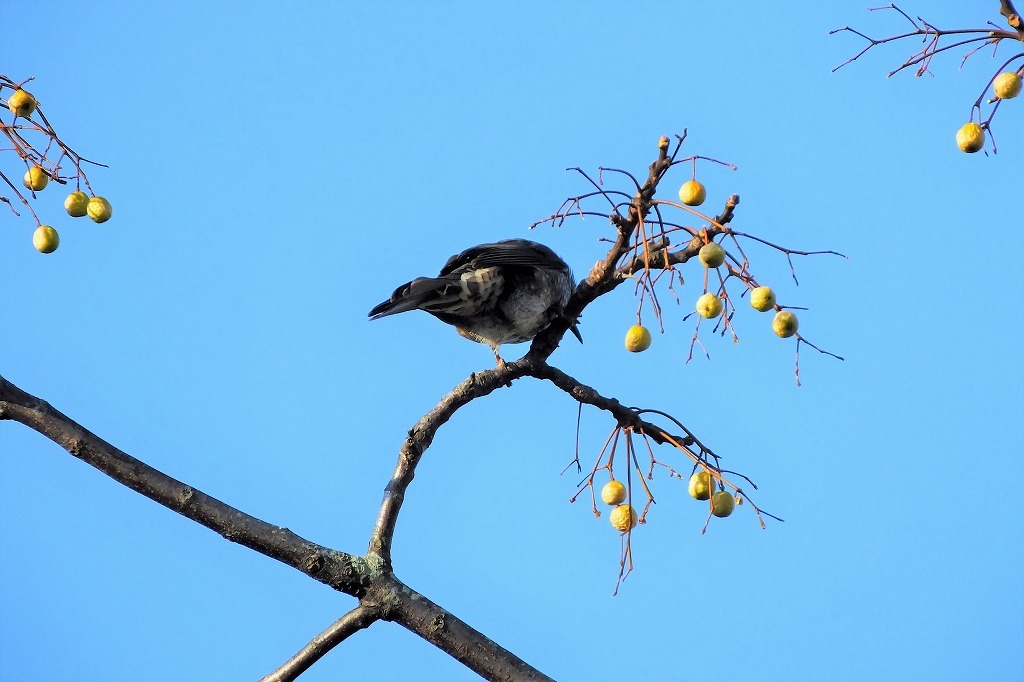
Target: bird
x,y
506,292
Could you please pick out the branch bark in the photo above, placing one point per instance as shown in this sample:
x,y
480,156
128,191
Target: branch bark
x,y
380,593
1007,9
352,622
340,570
419,439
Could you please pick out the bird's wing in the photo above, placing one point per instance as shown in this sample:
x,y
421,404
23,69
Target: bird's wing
x,y
514,252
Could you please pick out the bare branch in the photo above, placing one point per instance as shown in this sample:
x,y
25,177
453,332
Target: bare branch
x,y
419,439
933,39
339,570
1013,18
451,635
360,577
352,622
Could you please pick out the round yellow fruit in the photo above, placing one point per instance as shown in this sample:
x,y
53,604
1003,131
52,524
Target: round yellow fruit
x,y
99,209
785,324
77,204
970,138
623,517
762,298
22,103
638,339
692,193
35,178
712,255
722,504
701,485
45,239
613,492
709,306
1007,85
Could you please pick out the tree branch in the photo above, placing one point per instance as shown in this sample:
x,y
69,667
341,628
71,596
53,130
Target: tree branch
x,y
380,593
454,637
419,439
352,622
626,417
1007,9
344,572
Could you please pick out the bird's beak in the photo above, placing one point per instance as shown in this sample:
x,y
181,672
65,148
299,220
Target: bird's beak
x,y
576,332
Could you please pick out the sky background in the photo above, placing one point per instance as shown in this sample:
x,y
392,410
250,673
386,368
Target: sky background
x,y
277,169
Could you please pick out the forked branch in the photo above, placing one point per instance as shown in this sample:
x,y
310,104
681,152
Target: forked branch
x,y
641,246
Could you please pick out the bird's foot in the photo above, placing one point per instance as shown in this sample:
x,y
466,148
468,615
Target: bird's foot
x,y
502,366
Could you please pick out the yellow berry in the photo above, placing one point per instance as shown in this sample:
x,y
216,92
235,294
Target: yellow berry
x,y
712,255
22,103
623,517
1007,85
970,138
613,492
709,306
701,485
45,239
785,324
77,204
99,209
637,339
35,178
722,503
692,193
762,298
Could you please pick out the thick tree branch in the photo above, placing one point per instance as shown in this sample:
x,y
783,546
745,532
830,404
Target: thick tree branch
x,y
451,635
342,571
380,593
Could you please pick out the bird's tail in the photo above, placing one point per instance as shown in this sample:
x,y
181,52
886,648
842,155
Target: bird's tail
x,y
423,293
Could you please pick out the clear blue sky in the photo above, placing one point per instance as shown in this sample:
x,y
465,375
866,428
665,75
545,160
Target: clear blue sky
x,y
276,170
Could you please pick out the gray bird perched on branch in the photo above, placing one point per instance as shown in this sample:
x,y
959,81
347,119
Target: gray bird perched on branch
x,y
506,292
